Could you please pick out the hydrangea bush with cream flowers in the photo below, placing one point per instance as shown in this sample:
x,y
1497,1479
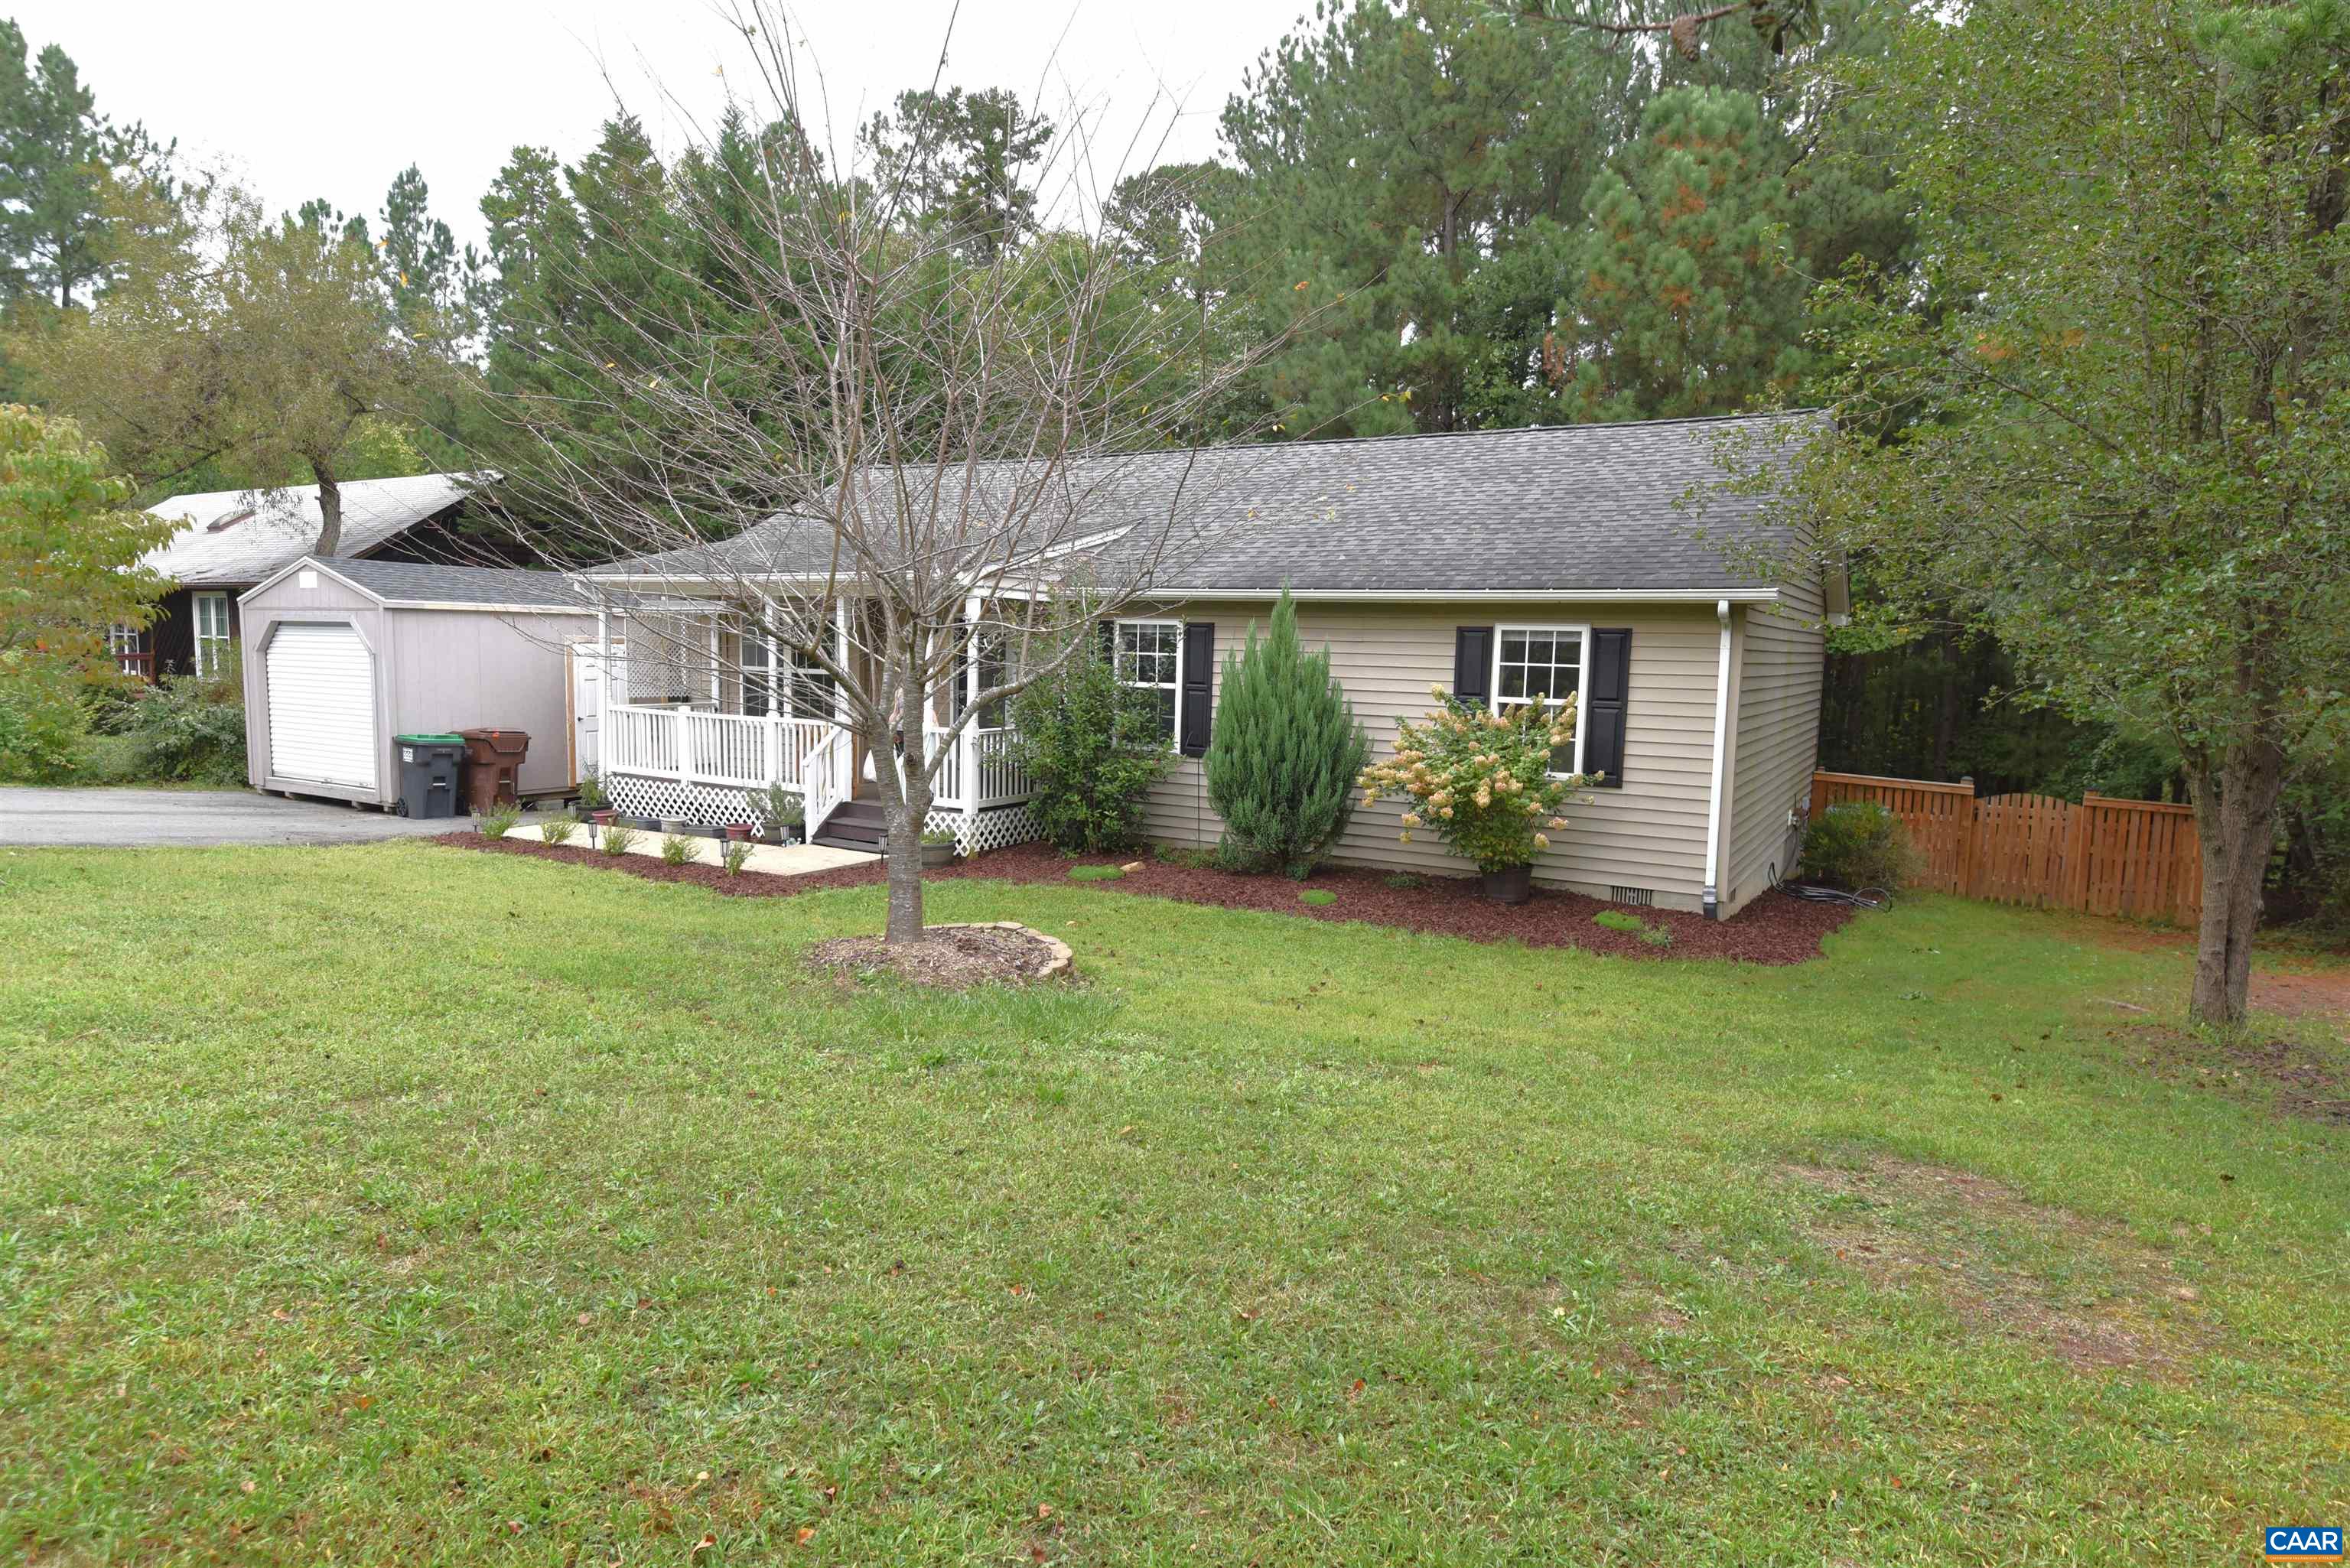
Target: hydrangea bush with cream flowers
x,y
1478,781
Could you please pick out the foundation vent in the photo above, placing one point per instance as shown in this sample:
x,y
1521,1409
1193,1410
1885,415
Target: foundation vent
x,y
1633,895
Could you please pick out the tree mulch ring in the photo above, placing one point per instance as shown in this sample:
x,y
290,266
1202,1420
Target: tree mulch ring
x,y
1773,930
952,958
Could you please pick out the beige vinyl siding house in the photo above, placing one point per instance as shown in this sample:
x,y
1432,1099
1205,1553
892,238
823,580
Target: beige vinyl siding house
x,y
1416,560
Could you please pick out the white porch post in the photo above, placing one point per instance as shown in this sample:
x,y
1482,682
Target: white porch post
x,y
717,696
969,739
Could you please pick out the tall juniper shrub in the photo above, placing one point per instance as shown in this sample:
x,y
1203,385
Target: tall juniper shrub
x,y
1282,764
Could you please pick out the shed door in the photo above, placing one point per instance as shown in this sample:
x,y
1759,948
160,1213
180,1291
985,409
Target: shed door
x,y
321,706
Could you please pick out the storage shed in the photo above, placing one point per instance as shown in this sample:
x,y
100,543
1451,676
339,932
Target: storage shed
x,y
342,655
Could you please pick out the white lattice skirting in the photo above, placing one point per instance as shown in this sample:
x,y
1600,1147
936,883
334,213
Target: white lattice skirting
x,y
706,806
711,805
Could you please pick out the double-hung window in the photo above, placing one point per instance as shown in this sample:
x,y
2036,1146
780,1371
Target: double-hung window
x,y
211,633
1545,664
986,649
122,643
1149,654
812,687
758,661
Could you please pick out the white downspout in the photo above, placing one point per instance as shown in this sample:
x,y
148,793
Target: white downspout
x,y
1712,894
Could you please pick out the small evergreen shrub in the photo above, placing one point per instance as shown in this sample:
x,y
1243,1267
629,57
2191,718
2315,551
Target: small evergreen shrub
x,y
593,796
677,848
1858,844
1282,763
1402,881
1093,748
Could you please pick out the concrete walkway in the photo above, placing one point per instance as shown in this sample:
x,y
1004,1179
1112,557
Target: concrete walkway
x,y
134,818
776,859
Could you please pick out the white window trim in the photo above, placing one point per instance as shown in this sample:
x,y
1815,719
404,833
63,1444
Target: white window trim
x,y
1174,730
1495,700
199,639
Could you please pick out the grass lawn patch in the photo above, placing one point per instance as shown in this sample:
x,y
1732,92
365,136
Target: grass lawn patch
x,y
384,1203
1094,873
1319,897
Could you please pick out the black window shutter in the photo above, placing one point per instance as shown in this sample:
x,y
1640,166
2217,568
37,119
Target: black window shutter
x,y
1472,665
1108,641
1198,687
1611,669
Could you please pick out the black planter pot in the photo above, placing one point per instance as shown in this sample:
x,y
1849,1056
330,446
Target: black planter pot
x,y
1511,885
936,856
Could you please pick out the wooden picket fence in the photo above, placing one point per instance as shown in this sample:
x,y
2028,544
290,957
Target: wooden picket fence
x,y
2107,857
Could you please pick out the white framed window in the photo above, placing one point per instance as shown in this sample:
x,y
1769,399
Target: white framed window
x,y
758,661
212,632
1545,664
1149,654
811,693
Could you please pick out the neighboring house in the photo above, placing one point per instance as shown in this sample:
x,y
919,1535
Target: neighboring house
x,y
231,539
1503,567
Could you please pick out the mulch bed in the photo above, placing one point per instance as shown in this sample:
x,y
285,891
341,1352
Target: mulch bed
x,y
951,957
1773,930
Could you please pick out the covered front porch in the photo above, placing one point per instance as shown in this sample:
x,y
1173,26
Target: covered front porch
x,y
703,716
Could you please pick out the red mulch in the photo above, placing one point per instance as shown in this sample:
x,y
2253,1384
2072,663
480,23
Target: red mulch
x,y
1773,930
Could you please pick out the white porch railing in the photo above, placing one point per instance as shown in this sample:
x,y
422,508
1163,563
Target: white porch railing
x,y
810,756
980,771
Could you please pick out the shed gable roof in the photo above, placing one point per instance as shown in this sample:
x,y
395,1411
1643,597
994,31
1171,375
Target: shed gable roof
x,y
413,584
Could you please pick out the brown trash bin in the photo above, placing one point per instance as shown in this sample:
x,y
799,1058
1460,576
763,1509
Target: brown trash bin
x,y
492,758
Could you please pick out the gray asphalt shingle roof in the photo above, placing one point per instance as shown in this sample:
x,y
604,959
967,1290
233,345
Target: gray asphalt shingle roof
x,y
282,525
1551,509
407,582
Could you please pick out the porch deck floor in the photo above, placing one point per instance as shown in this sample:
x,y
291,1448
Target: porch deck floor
x,y
776,859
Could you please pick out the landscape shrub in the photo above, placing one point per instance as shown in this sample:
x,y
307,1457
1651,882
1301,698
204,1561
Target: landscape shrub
x,y
677,848
1478,781
497,821
44,735
1287,752
1093,748
619,838
189,729
1858,844
731,854
557,827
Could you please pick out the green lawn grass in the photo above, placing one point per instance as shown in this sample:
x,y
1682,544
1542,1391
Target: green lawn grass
x,y
393,1203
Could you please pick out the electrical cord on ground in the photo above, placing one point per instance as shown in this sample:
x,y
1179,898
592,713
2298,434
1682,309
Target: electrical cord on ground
x,y
1866,899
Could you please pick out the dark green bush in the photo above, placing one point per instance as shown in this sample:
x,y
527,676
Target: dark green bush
x,y
1093,748
1286,753
1858,845
189,728
43,738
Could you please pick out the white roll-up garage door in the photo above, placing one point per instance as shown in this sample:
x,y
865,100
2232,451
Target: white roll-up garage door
x,y
321,705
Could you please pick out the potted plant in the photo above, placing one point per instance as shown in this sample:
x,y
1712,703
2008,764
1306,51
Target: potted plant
x,y
779,812
938,847
1482,783
593,799
738,832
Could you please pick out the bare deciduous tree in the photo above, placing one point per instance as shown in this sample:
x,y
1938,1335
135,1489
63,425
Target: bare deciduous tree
x,y
900,455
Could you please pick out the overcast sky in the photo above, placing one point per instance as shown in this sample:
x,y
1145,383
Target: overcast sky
x,y
332,98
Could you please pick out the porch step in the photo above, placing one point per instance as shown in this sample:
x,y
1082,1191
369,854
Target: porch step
x,y
858,824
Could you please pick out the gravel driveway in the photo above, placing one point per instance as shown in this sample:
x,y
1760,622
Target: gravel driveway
x,y
31,817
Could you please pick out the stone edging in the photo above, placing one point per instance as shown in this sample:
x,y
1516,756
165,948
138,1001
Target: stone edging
x,y
1062,962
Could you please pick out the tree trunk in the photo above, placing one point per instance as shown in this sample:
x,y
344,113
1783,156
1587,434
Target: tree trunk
x,y
906,806
2235,822
330,514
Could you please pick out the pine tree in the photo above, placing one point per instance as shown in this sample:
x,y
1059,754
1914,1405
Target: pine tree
x,y
1286,751
1690,296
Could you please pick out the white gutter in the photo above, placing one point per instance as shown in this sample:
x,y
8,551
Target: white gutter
x,y
1157,595
1711,895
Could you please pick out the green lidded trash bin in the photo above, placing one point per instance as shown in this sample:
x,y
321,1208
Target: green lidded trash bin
x,y
429,767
